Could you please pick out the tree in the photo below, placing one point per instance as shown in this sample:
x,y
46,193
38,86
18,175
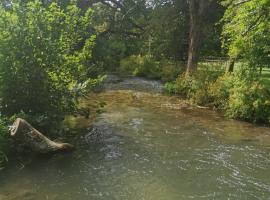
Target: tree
x,y
197,10
44,53
167,31
119,27
159,28
246,33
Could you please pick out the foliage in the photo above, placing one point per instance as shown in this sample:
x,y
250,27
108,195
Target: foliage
x,y
212,29
157,28
249,103
220,91
3,141
117,34
195,86
248,99
170,69
246,33
143,66
171,16
146,66
240,95
44,53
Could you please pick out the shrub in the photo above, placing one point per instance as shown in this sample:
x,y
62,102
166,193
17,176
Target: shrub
x,y
146,66
44,53
200,82
143,66
195,86
249,102
170,70
240,95
180,86
249,99
220,91
129,64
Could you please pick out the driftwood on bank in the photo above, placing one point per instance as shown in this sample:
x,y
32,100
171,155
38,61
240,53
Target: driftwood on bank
x,y
28,136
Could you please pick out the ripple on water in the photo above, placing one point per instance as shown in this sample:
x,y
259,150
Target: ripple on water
x,y
147,146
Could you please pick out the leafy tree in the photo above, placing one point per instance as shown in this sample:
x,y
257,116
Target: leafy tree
x,y
212,28
167,31
119,26
158,28
44,53
246,32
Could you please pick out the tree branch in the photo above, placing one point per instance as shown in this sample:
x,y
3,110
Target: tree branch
x,y
253,25
122,8
241,2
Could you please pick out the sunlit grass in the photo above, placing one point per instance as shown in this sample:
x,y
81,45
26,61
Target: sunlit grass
x,y
222,65
266,77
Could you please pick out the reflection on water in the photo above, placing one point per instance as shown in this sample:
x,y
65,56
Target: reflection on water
x,y
147,146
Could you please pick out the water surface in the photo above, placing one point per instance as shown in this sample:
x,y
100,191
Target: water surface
x,y
148,146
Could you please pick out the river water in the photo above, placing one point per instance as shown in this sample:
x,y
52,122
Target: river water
x,y
143,145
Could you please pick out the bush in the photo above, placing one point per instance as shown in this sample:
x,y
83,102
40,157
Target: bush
x,y
45,52
146,66
180,86
143,66
194,86
240,95
249,102
249,99
170,70
130,64
219,91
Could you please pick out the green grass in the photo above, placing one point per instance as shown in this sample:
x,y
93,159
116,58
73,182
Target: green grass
x,y
213,65
266,77
222,65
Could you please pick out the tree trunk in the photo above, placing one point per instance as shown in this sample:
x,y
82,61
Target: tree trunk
x,y
196,10
31,138
231,65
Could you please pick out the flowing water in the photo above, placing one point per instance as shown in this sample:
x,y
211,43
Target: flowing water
x,y
147,146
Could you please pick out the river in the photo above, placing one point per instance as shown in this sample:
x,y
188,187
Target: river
x,y
143,145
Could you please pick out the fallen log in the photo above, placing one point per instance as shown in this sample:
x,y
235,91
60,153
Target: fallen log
x,y
28,136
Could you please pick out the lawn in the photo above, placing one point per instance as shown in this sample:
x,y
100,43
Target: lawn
x,y
266,77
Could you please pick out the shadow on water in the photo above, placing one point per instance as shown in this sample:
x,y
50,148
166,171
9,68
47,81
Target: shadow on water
x,y
148,146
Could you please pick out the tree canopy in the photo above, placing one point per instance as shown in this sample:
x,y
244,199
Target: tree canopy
x,y
246,31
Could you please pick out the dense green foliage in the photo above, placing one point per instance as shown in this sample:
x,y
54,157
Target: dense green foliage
x,y
246,32
44,53
146,66
45,62
157,29
243,96
240,95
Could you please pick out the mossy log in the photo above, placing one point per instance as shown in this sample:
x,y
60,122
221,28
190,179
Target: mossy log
x,y
28,136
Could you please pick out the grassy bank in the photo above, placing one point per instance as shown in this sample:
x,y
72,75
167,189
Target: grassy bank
x,y
243,94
